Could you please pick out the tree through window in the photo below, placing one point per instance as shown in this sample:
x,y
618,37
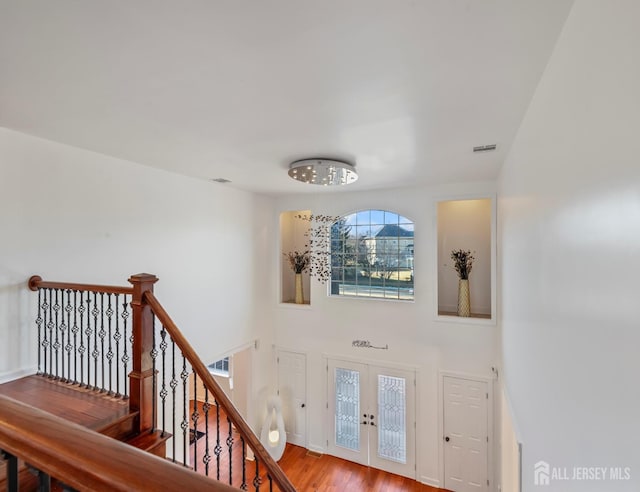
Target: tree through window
x,y
372,255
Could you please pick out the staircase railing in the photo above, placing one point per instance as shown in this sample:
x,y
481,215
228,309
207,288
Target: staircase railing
x,y
121,341
50,445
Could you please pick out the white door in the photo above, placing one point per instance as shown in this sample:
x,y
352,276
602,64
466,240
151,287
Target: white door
x,y
372,416
292,388
466,435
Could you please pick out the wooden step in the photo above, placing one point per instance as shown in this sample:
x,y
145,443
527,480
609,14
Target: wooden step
x,y
151,442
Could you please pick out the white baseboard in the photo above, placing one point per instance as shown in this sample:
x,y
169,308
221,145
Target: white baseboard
x,y
430,481
15,374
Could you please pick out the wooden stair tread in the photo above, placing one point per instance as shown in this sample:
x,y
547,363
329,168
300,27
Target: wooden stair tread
x,y
83,406
152,442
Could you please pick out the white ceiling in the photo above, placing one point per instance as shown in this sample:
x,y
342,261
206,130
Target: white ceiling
x,y
238,89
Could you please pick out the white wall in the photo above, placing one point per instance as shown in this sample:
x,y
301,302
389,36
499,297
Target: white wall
x,y
415,338
569,213
69,214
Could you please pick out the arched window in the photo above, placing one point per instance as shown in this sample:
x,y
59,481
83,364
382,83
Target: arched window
x,y
372,255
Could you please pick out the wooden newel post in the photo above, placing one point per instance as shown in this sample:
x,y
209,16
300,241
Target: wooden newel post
x,y
141,376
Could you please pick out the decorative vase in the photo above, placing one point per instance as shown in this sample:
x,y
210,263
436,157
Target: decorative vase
x,y
464,300
299,293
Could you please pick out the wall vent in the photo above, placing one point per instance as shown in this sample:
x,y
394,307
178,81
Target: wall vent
x,y
485,148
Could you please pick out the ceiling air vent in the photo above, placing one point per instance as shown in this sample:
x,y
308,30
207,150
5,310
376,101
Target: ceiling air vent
x,y
221,180
485,148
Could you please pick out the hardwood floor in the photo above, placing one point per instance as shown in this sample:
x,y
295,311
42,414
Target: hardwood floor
x,y
329,474
307,471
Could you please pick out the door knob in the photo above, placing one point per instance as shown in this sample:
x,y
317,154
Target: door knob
x,y
302,406
447,439
364,423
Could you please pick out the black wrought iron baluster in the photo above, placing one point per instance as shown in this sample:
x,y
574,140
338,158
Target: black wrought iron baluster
x,y
56,343
44,482
95,353
68,308
83,348
163,390
230,447
102,334
194,417
256,478
39,322
51,327
110,346
184,425
125,355
243,486
45,327
75,330
218,449
11,471
206,459
154,378
270,483
88,332
173,384
117,337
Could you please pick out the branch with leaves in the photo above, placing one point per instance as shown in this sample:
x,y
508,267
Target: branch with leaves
x,y
463,262
298,261
319,237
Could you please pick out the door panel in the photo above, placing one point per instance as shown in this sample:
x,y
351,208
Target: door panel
x,y
292,389
372,416
466,434
347,383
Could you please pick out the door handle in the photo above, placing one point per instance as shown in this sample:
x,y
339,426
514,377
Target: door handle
x,y
302,406
447,439
364,422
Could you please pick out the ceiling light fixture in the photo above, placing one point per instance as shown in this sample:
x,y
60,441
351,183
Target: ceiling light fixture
x,y
324,172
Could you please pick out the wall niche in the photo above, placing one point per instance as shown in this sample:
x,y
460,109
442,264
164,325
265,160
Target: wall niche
x,y
293,237
466,224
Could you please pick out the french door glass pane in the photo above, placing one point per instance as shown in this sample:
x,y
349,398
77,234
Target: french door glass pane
x,y
392,433
347,408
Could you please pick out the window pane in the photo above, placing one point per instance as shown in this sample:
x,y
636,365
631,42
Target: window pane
x,y
376,254
347,417
392,425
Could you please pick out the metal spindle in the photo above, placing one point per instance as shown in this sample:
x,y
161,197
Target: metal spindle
x,y
83,348
207,456
218,449
11,471
39,325
184,425
125,355
102,334
173,384
88,332
243,486
163,391
256,478
56,343
50,326
95,312
68,347
154,379
74,330
45,327
110,346
194,417
270,483
230,447
117,337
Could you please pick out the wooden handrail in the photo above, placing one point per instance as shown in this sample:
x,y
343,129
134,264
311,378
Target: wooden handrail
x,y
86,460
274,471
36,282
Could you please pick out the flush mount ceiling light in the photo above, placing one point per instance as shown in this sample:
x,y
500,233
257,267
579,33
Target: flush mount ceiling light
x,y
324,172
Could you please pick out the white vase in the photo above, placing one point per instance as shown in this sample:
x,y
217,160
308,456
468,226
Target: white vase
x,y
299,293
464,298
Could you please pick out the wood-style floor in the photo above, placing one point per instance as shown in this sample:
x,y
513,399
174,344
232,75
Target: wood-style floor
x,y
307,471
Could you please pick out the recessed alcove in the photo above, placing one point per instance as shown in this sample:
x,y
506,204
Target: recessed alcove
x,y
293,237
469,225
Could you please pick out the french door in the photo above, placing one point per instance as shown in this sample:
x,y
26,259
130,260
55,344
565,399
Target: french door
x,y
372,416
